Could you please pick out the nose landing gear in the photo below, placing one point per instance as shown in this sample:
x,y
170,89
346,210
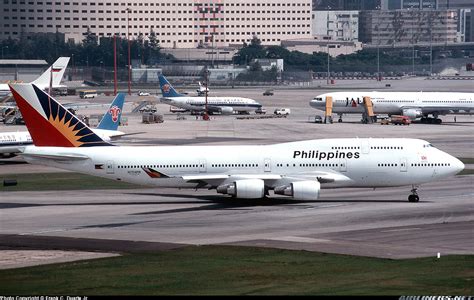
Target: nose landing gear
x,y
414,195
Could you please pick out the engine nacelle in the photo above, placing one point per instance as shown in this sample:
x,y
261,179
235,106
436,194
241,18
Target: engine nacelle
x,y
7,155
245,189
413,113
300,190
226,110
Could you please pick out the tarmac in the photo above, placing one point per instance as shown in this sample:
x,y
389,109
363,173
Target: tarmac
x,y
365,222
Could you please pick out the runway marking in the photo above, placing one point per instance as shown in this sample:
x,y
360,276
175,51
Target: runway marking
x,y
299,239
402,229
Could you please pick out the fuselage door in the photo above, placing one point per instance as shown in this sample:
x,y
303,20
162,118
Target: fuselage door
x,y
343,165
365,147
267,167
202,166
403,164
109,167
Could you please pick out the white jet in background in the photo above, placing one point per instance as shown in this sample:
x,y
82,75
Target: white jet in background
x,y
415,105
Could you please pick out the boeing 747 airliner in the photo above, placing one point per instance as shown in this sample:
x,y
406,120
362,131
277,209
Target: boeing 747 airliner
x,y
296,169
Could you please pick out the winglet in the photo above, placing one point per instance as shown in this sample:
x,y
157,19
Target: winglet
x,y
49,123
167,89
111,118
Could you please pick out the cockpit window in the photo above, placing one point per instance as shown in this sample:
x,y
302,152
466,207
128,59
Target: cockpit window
x,y
318,99
428,146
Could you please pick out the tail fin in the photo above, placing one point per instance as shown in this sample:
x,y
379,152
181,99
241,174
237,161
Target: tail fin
x,y
56,70
111,118
49,123
167,89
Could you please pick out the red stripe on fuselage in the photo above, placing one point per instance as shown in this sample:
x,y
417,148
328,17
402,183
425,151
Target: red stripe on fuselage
x,y
42,132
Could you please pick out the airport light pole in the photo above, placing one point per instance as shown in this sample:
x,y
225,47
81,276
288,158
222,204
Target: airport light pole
x,y
430,24
329,73
378,50
129,57
115,64
327,33
206,112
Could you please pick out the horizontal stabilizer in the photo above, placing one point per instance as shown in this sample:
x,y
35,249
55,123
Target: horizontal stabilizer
x,y
56,157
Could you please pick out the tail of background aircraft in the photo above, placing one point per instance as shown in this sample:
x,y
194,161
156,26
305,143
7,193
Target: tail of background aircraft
x,y
111,118
49,123
167,89
57,70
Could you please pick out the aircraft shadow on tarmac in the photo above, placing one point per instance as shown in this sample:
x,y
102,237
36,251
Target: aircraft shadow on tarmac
x,y
204,203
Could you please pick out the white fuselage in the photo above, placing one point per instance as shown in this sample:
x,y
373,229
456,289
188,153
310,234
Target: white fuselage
x,y
424,103
13,142
231,104
348,162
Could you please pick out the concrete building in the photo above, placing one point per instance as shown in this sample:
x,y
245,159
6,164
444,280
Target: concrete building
x,y
336,25
177,23
390,27
455,4
409,4
334,48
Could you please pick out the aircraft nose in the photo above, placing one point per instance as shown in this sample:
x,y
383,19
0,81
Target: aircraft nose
x,y
457,165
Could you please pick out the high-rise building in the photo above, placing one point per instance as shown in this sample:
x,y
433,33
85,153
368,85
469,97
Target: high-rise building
x,y
336,25
395,27
177,23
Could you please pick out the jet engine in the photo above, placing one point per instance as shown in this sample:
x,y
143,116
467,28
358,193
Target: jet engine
x,y
413,113
226,110
300,190
245,188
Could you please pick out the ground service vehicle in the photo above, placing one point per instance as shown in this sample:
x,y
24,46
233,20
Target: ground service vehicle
x,y
282,111
268,93
400,120
88,94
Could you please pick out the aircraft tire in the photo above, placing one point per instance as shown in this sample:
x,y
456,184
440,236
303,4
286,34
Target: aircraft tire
x,y
413,198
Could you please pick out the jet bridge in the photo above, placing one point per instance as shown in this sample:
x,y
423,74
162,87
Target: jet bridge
x,y
368,117
328,113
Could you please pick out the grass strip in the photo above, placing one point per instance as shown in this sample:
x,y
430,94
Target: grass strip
x,y
228,270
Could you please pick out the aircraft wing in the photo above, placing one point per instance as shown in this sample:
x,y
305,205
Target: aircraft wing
x,y
122,134
271,180
440,110
77,106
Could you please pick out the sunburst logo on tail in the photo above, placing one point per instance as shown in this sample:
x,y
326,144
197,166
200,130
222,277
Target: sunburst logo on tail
x,y
76,132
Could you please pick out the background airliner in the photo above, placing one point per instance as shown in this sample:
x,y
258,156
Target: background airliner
x,y
223,105
11,143
201,91
56,70
297,169
412,104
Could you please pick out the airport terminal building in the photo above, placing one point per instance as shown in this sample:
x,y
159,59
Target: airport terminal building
x,y
177,23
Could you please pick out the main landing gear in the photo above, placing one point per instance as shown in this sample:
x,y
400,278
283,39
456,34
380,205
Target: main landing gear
x,y
340,118
427,120
414,195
